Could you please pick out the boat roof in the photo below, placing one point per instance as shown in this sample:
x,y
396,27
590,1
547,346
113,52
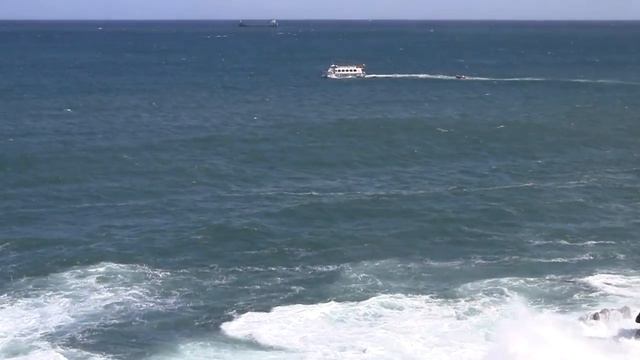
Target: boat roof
x,y
349,65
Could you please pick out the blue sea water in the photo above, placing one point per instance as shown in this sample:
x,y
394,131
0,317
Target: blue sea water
x,y
195,190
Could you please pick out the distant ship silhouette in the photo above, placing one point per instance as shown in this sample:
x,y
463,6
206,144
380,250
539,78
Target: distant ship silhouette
x,y
272,23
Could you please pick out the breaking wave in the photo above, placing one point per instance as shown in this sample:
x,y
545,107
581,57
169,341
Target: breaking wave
x,y
68,303
490,319
481,325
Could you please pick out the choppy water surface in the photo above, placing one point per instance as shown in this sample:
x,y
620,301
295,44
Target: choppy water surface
x,y
197,191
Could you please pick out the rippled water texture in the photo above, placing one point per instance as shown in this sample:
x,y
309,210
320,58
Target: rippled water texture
x,y
198,191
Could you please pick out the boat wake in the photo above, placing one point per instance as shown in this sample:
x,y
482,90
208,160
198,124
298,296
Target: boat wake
x,y
447,77
478,78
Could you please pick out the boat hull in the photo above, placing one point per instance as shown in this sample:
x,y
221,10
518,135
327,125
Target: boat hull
x,y
344,76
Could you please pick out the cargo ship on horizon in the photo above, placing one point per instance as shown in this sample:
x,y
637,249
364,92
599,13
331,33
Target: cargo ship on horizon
x,y
273,23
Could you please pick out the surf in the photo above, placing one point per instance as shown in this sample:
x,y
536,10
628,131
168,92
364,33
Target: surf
x,y
423,327
488,320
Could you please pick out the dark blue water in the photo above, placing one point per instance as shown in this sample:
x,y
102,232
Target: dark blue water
x,y
195,190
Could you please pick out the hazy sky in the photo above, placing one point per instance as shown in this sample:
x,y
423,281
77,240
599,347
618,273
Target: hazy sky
x,y
324,9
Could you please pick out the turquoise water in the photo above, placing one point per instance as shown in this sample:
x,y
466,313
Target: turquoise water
x,y
196,190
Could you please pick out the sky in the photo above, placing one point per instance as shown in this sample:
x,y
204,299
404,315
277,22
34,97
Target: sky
x,y
322,9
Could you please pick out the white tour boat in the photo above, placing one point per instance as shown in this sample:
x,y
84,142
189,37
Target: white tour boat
x,y
345,71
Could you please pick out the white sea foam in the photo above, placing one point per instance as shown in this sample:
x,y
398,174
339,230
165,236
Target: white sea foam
x,y
574,259
480,78
567,243
208,350
626,288
384,327
27,353
532,335
482,324
520,259
509,286
449,77
70,302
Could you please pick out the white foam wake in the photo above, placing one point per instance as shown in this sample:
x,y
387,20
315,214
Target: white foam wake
x,y
447,77
495,79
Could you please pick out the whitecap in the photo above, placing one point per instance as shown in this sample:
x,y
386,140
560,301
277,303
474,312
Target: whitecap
x,y
36,308
514,258
424,327
531,335
615,285
218,350
568,243
383,327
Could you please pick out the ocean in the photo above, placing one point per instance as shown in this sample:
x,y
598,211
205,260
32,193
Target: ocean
x,y
196,190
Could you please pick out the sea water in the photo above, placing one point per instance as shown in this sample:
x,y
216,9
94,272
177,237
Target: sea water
x,y
196,190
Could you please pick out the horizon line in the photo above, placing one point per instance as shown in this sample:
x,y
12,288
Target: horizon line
x,y
323,19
